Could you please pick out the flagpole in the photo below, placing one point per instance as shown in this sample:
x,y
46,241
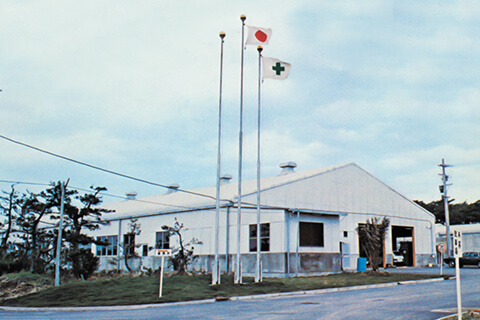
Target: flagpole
x,y
238,276
216,268
258,277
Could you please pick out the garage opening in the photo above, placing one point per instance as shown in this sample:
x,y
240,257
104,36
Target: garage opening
x,y
403,242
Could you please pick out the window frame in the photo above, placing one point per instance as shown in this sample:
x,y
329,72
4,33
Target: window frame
x,y
128,239
107,250
264,237
310,236
165,240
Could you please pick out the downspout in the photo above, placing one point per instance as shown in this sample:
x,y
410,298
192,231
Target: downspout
x,y
434,252
118,243
227,246
298,243
287,227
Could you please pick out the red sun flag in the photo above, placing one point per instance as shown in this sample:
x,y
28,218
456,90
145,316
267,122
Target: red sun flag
x,y
258,36
261,36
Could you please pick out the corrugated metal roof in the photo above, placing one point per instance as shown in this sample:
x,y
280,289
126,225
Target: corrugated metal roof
x,y
464,228
182,201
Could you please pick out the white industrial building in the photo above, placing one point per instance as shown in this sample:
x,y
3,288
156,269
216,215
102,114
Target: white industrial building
x,y
309,222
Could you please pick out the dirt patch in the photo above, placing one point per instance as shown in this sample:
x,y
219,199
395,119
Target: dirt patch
x,y
11,288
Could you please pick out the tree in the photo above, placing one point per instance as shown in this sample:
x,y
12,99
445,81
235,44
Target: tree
x,y
9,206
372,236
85,262
37,240
129,243
435,207
460,213
183,255
76,219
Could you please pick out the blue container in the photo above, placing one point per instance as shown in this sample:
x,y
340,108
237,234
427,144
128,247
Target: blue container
x,y
361,264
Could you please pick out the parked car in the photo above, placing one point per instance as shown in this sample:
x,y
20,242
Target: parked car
x,y
467,259
398,258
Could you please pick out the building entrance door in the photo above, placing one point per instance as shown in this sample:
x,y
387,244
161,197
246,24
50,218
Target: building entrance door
x,y
403,241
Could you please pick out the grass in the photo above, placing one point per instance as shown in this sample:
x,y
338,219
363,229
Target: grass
x,y
144,290
471,314
28,277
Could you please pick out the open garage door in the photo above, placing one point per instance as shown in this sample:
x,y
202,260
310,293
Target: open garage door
x,y
403,241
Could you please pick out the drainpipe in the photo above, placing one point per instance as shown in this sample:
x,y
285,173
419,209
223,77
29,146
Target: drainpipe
x,y
227,246
434,252
287,227
298,243
118,243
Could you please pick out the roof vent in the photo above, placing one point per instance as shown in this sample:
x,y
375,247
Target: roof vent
x,y
132,195
224,179
173,188
287,167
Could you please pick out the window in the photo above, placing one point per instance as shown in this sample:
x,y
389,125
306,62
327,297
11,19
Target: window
x,y
107,250
129,244
145,250
311,234
345,234
264,237
162,240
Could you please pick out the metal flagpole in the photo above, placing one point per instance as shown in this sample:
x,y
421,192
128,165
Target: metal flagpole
x,y
59,239
257,270
238,276
216,269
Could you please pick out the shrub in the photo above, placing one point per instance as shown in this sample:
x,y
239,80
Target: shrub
x,y
84,262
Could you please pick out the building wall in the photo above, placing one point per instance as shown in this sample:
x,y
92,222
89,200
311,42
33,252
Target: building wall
x,y
347,196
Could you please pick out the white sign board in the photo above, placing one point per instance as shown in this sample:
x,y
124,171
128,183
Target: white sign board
x,y
457,252
163,252
457,244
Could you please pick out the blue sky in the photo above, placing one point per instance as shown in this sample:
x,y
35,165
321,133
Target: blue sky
x,y
132,86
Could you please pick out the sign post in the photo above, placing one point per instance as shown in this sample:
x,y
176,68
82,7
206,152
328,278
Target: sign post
x,y
457,252
441,247
162,253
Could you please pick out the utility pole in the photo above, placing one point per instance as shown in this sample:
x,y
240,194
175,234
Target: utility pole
x,y
60,229
443,191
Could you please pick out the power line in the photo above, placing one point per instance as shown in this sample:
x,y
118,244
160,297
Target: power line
x,y
101,193
27,183
102,169
136,200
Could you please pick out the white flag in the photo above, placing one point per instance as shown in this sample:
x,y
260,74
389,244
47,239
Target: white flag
x,y
275,69
258,36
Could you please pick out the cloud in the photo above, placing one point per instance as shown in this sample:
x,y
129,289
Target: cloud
x,y
134,88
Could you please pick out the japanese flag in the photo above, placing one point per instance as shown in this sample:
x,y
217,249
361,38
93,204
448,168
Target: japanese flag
x,y
275,69
258,36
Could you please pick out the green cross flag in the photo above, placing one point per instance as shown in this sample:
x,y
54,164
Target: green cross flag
x,y
275,69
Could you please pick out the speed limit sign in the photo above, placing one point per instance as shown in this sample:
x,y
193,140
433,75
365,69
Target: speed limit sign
x,y
441,247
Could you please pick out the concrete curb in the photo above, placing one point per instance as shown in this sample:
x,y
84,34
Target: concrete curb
x,y
422,281
236,298
465,310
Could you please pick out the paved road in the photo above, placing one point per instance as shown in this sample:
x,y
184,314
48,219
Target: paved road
x,y
410,301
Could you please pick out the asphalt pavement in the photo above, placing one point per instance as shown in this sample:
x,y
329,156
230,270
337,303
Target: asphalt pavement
x,y
410,300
